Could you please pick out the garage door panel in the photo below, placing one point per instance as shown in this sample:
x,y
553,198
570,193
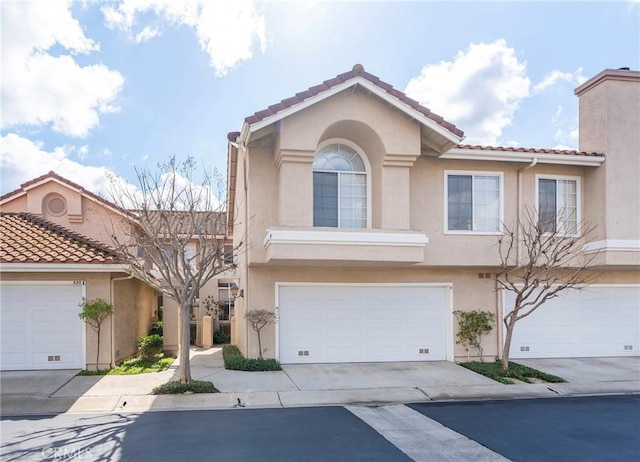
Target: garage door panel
x,y
597,321
40,326
361,323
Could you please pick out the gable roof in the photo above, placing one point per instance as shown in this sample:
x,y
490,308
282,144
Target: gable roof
x,y
25,238
53,176
356,76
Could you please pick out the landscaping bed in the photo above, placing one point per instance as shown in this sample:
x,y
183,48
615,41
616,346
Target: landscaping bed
x,y
515,373
177,388
234,360
137,365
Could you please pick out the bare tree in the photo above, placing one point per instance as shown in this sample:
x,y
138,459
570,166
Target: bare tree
x,y
260,319
175,241
539,260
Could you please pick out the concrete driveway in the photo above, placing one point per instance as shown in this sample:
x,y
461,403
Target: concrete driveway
x,y
381,375
588,370
34,384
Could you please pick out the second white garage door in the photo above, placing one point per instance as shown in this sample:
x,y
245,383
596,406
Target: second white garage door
x,y
40,326
337,323
595,321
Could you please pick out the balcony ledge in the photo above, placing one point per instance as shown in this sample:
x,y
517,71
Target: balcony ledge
x,y
330,244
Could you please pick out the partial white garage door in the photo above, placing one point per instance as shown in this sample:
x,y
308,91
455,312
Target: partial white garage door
x,y
40,326
363,323
595,321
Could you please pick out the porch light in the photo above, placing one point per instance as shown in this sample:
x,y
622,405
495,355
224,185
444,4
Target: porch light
x,y
236,292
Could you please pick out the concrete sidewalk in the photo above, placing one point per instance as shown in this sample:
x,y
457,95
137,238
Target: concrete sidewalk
x,y
53,392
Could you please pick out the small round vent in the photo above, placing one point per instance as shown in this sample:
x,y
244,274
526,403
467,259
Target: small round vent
x,y
56,206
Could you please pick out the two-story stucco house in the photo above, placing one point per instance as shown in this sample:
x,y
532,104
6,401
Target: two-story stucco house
x,y
367,223
56,249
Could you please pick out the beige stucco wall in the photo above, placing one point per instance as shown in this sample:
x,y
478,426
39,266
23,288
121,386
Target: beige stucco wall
x,y
134,309
470,292
609,118
407,193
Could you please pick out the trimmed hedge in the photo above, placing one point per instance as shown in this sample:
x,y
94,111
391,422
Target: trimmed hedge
x,y
177,388
235,361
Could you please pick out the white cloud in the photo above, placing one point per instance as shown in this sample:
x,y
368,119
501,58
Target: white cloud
x,y
23,160
479,90
226,30
39,88
147,34
555,77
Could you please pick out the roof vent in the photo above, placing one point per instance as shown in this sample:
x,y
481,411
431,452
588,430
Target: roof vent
x,y
624,69
358,69
56,206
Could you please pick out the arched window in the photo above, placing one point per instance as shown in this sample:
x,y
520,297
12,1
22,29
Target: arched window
x,y
339,188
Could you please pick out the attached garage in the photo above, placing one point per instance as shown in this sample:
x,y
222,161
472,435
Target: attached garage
x,y
338,323
40,326
595,321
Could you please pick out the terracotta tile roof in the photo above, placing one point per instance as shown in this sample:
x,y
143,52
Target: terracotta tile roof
x,y
564,152
54,175
25,238
208,223
357,71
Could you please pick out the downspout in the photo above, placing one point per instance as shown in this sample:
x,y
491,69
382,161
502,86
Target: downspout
x,y
533,163
245,283
113,347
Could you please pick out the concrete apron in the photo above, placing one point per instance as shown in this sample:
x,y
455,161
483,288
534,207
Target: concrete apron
x,y
51,392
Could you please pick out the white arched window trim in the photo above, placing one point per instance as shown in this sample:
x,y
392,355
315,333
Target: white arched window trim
x,y
365,161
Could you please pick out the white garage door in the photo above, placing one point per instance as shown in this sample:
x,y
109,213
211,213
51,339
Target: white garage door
x,y
595,321
40,326
363,323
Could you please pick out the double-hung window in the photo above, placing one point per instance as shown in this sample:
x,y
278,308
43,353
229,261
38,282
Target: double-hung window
x,y
558,210
339,188
473,202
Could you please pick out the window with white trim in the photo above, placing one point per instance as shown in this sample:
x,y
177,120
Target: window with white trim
x,y
558,210
473,202
339,188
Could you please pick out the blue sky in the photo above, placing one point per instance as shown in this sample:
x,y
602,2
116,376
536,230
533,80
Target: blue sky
x,y
95,87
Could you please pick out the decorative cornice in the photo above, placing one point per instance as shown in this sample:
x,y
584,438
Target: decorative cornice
x,y
297,156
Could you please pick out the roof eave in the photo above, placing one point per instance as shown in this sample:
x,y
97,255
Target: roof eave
x,y
64,268
501,156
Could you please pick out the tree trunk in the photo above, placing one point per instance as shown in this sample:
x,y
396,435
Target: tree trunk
x,y
184,343
98,351
507,345
259,345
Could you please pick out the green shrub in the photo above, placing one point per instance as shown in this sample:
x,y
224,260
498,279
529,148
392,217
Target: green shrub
x,y
176,388
515,371
156,328
221,337
150,346
472,325
235,361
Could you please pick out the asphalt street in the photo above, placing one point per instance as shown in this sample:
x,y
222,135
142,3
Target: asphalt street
x,y
301,434
605,428
585,429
